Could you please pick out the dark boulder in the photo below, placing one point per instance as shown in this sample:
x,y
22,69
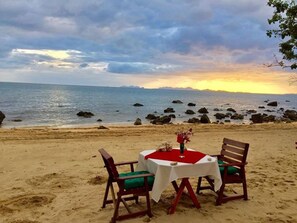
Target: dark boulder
x,y
161,120
2,117
261,107
257,118
273,103
217,109
204,119
237,116
172,116
102,127
228,114
16,120
194,120
137,121
290,114
177,102
85,114
138,105
231,109
190,112
191,104
203,110
99,120
151,117
269,118
169,110
251,111
220,115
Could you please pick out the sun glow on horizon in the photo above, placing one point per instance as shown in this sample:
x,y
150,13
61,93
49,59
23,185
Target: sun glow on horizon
x,y
253,82
56,54
238,86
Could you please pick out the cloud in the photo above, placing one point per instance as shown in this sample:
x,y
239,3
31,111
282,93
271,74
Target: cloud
x,y
138,68
83,65
111,37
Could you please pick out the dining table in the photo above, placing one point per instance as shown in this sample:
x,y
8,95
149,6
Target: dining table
x,y
169,166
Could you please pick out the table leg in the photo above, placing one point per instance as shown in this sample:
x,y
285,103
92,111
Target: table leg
x,y
185,183
175,186
192,195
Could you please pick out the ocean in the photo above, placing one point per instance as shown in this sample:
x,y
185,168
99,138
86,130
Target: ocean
x,y
28,105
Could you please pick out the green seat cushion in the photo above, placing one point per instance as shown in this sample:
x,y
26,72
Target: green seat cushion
x,y
137,182
230,171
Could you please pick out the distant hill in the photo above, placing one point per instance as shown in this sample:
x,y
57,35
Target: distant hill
x,y
131,86
174,88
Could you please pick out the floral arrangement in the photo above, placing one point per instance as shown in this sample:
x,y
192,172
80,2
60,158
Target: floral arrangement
x,y
184,137
165,147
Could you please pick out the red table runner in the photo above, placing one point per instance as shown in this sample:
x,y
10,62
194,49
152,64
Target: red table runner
x,y
190,156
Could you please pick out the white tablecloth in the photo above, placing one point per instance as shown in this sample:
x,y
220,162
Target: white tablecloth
x,y
166,173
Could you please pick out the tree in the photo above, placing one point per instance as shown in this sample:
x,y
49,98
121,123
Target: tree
x,y
285,16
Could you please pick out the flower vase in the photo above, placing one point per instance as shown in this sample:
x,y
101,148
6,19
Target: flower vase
x,y
181,150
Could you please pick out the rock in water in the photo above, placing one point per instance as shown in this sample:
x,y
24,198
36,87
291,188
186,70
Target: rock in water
x,y
2,117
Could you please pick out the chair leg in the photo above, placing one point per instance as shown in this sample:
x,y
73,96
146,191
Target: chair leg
x,y
136,199
220,195
198,185
106,193
148,204
245,194
116,209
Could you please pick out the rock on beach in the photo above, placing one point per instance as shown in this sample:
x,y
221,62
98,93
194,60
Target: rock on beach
x,y
2,117
85,114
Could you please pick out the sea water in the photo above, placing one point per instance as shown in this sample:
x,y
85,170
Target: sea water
x,y
27,104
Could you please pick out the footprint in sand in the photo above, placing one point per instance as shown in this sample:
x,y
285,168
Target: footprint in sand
x,y
98,180
52,180
5,210
24,221
25,201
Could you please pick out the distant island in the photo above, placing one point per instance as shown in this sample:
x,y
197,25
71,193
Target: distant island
x,y
131,86
176,88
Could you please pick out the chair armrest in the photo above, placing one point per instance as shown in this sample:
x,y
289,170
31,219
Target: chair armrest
x,y
136,176
232,164
125,163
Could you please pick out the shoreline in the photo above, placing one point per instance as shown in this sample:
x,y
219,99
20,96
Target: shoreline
x,y
89,131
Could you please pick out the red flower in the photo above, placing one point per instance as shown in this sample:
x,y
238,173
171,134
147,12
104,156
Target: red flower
x,y
184,137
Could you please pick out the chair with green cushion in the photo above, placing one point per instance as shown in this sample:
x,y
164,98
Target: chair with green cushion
x,y
131,185
232,161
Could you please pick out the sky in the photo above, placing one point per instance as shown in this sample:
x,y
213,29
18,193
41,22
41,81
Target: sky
x,y
201,44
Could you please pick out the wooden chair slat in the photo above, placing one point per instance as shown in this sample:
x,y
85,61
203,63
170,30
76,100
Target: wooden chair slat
x,y
229,160
232,155
234,143
233,149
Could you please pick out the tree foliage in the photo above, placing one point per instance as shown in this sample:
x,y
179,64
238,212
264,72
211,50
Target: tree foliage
x,y
285,16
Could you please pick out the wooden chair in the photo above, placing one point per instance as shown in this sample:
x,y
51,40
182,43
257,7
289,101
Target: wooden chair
x,y
131,185
232,161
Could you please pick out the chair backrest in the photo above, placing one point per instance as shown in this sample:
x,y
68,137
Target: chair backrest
x,y
234,151
109,164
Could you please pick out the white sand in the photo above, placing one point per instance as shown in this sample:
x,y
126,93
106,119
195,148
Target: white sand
x,y
47,175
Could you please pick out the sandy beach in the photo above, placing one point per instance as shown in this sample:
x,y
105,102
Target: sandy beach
x,y
57,175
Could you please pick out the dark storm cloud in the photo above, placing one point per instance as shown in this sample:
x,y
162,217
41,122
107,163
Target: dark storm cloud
x,y
132,36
